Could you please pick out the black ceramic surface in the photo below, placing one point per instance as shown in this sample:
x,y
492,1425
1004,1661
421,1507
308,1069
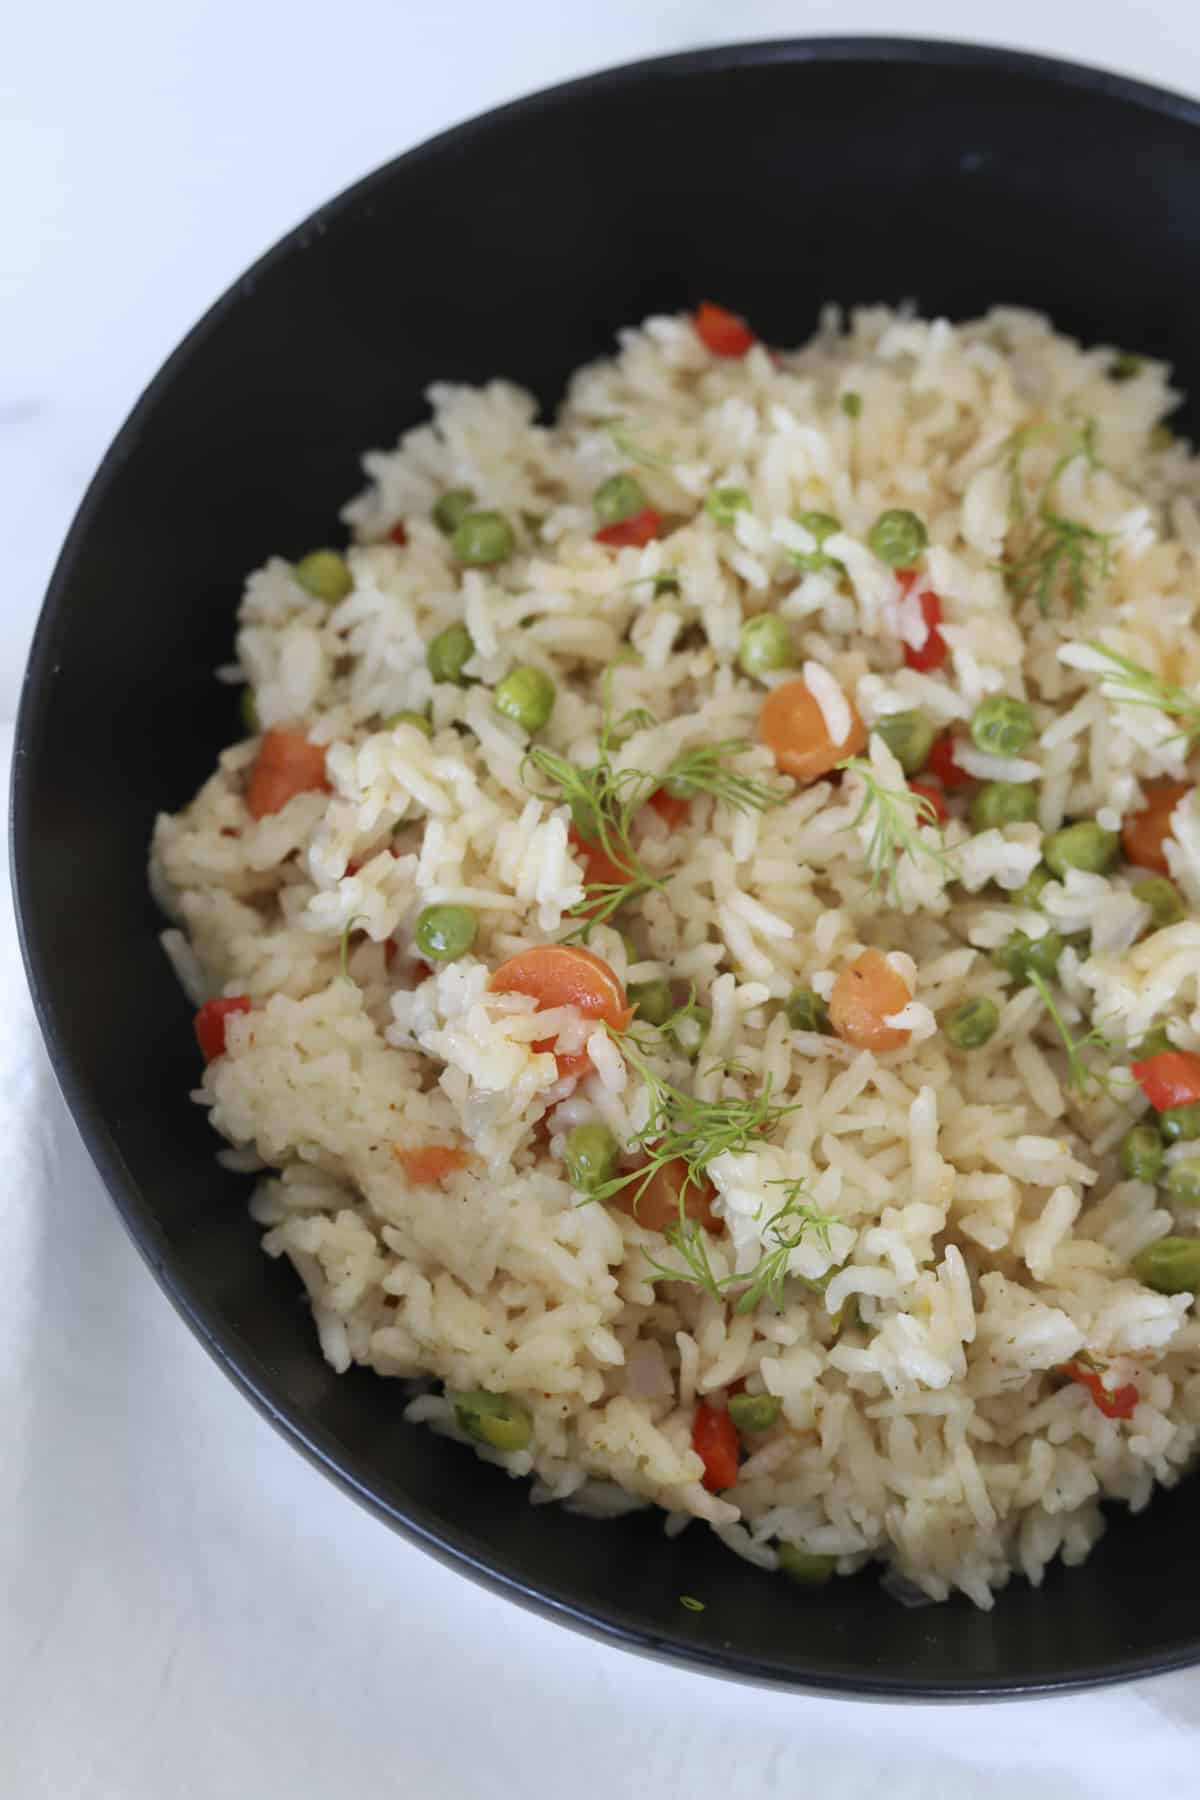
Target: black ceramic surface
x,y
772,178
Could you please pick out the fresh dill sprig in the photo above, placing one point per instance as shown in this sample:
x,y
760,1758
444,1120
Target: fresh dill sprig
x,y
1082,1077
707,770
682,1128
1059,556
605,801
896,816
624,435
1131,685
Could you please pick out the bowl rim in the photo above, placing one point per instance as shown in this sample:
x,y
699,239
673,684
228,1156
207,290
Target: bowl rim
x,y
415,1522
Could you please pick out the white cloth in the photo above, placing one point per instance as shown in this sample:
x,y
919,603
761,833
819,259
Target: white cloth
x,y
187,1610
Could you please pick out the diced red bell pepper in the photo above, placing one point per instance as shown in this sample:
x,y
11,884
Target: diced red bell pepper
x,y
722,331
1114,1403
210,1024
934,650
671,808
398,535
641,529
942,764
1172,1078
935,798
715,1441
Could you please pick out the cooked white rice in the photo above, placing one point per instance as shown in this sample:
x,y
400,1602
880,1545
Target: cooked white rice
x,y
983,1232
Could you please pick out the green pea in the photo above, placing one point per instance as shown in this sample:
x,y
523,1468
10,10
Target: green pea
x,y
898,537
1023,956
444,933
689,1031
1084,845
1179,1124
453,507
1141,1154
449,654
1171,1266
805,1565
526,696
1125,365
754,1412
972,1022
248,704
666,583
1002,726
620,497
765,644
651,1000
909,736
590,1157
1183,1183
725,503
1028,894
852,405
482,538
820,525
1153,1044
806,1011
1002,803
495,1419
324,574
417,720
1163,898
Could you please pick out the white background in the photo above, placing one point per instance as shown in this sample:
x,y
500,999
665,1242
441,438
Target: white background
x,y
187,1611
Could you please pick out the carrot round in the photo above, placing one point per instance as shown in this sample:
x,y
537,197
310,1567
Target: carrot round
x,y
566,975
864,995
671,809
792,726
287,765
599,868
715,1441
1144,833
430,1163
656,1206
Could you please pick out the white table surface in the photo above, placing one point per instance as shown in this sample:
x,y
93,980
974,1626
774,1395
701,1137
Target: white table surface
x,y
187,1611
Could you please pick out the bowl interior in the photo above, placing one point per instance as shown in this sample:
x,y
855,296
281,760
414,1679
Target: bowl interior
x,y
772,179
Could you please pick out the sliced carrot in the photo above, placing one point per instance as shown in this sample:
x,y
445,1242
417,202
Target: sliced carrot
x,y
793,727
641,529
864,995
715,1441
287,765
566,975
210,1023
431,1163
599,868
671,809
656,1206
722,331
1144,833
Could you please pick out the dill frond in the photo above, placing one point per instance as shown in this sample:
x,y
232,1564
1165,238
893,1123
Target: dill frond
x,y
1131,685
624,434
1059,556
896,816
1082,1077
708,770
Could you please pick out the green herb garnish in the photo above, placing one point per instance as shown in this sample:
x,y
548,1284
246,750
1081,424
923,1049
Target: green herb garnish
x,y
1131,685
896,816
1059,556
624,435
1082,1077
344,950
691,1602
707,771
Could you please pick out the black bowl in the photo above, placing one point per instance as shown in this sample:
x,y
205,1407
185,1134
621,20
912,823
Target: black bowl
x,y
772,178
